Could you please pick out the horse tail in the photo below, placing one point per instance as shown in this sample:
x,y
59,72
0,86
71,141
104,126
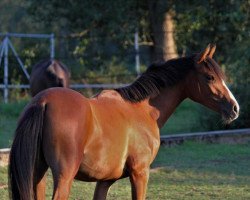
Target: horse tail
x,y
25,152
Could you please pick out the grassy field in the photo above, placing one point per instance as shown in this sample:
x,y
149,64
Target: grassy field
x,y
192,171
185,119
9,114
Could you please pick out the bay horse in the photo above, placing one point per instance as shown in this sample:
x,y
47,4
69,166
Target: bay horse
x,y
48,73
112,135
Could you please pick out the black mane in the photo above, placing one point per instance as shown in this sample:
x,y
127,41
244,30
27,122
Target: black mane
x,y
156,77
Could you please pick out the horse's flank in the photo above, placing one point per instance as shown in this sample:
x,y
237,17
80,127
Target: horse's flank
x,y
101,129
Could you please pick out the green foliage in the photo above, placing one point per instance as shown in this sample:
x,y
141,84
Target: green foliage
x,y
226,23
95,38
106,29
102,28
12,109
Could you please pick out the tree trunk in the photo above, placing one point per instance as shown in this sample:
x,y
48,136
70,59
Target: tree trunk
x,y
162,29
168,48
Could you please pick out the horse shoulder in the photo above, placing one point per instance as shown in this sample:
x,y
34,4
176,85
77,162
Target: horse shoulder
x,y
144,139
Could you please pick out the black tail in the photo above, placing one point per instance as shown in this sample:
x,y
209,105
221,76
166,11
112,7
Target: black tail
x,y
24,153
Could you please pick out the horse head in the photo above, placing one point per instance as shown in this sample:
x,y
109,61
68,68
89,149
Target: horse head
x,y
206,85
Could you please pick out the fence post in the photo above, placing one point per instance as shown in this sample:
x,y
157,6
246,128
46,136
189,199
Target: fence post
x,y
6,70
1,52
52,46
18,59
137,58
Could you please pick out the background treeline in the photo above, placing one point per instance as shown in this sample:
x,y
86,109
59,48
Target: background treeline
x,y
95,39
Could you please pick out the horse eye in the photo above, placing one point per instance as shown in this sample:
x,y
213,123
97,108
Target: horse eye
x,y
210,78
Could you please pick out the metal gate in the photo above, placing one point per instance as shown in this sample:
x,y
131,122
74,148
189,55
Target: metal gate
x,y
7,45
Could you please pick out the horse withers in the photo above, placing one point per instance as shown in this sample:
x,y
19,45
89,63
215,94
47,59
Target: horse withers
x,y
48,73
113,135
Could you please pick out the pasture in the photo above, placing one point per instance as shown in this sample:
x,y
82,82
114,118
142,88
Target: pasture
x,y
192,171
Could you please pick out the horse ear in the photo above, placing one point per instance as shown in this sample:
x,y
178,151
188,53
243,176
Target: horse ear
x,y
51,68
211,53
202,55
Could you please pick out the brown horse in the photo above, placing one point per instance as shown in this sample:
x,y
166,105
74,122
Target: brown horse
x,y
113,135
48,73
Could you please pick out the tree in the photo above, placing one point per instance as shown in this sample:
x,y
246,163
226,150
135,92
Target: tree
x,y
161,15
112,20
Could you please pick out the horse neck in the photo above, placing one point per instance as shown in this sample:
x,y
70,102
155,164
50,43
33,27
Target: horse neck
x,y
167,101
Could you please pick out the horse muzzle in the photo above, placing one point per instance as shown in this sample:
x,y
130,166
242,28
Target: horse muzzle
x,y
230,112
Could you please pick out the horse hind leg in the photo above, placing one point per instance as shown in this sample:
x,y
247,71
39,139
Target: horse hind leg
x,y
41,188
63,175
62,185
40,180
101,189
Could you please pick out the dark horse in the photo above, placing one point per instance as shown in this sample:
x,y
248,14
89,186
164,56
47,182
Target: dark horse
x,y
48,73
113,135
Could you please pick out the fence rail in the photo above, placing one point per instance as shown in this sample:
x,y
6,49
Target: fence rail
x,y
27,35
206,136
73,86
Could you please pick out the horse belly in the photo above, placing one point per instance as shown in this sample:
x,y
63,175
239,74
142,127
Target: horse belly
x,y
104,157
103,169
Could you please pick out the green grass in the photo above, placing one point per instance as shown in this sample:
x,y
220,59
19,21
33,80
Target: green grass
x,y
192,171
186,118
9,114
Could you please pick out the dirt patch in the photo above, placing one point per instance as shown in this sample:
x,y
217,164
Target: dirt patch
x,y
4,157
3,186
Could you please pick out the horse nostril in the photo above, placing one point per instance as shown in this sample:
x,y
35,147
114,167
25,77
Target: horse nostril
x,y
235,108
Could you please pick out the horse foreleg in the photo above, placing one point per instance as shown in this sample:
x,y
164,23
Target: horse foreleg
x,y
101,189
139,181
